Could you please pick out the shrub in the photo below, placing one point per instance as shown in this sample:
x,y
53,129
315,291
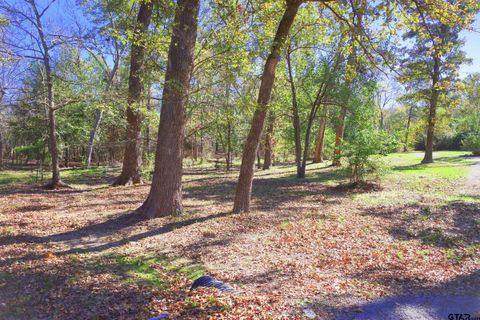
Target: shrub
x,y
363,152
472,143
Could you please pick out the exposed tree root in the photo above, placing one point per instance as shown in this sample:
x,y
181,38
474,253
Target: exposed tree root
x,y
57,185
127,181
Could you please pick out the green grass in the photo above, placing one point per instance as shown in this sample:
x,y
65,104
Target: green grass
x,y
16,177
150,269
407,180
71,176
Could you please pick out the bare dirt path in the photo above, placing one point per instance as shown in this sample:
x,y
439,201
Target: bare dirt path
x,y
473,182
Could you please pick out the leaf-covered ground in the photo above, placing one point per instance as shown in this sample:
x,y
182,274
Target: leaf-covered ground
x,y
307,246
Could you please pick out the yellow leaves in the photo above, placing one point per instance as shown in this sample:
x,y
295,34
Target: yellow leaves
x,y
49,256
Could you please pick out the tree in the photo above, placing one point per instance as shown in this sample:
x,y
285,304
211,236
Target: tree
x,y
105,43
165,197
432,63
132,158
245,180
320,144
269,142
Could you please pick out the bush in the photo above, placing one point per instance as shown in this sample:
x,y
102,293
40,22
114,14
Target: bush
x,y
472,143
363,151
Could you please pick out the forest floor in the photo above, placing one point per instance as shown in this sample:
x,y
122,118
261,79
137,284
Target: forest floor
x,y
310,248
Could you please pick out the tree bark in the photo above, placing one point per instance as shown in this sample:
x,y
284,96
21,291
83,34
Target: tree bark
x,y
318,156
244,186
52,125
229,146
409,120
259,156
428,158
132,157
93,134
313,112
1,136
165,197
295,117
267,160
1,149
339,131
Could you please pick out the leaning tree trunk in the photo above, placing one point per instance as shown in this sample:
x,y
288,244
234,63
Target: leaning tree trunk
x,y
313,112
93,134
295,117
339,131
99,116
428,158
165,196
132,157
267,160
318,156
244,186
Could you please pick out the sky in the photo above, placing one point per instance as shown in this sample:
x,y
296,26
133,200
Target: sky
x,y
472,48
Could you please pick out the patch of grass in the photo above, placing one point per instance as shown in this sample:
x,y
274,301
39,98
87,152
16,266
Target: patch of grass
x,y
16,177
436,236
284,225
71,176
142,269
149,268
186,268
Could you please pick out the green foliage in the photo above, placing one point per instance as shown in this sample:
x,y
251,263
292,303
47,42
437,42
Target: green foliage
x,y
362,153
364,141
31,150
472,143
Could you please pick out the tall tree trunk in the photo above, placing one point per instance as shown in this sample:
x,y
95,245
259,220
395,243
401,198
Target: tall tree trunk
x,y
1,136
132,157
165,196
407,131
313,112
318,156
99,115
267,160
1,149
259,156
66,161
93,134
244,186
339,131
52,125
382,125
428,158
229,146
295,117
147,127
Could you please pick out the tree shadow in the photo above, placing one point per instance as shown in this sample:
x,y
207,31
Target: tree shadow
x,y
102,230
458,295
411,301
272,192
62,290
456,223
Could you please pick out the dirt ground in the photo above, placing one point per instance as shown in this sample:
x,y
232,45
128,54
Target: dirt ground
x,y
307,249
